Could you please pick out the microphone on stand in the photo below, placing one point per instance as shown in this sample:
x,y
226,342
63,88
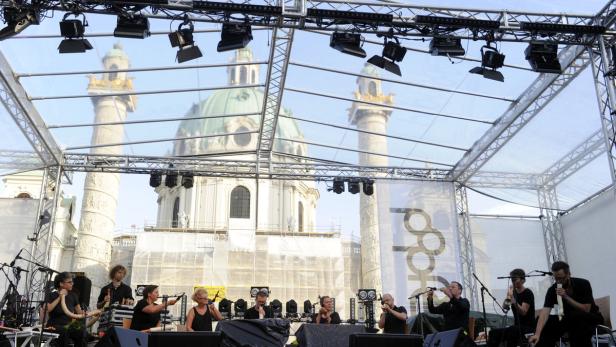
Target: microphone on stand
x,y
16,257
544,273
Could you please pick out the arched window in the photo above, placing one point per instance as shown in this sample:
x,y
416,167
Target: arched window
x,y
372,88
175,218
23,196
240,202
243,75
300,217
113,75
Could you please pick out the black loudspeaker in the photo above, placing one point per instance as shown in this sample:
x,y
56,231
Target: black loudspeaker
x,y
178,339
82,286
385,340
449,338
120,337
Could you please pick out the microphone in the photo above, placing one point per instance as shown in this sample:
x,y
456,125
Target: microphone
x,y
431,288
18,269
544,273
561,311
16,257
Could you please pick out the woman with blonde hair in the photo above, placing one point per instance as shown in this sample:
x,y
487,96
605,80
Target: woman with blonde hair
x,y
201,316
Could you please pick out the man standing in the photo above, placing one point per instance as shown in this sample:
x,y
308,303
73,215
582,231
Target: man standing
x,y
116,291
579,313
260,310
393,318
521,301
456,311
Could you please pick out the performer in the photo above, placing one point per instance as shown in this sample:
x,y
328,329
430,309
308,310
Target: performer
x,y
260,310
116,291
521,300
200,317
456,311
578,306
326,314
146,314
61,318
393,318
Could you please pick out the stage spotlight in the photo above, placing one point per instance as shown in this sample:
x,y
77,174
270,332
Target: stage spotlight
x,y
183,38
353,186
368,186
543,57
156,179
135,27
366,294
491,60
17,20
446,46
72,30
240,306
347,43
171,179
234,36
338,186
291,309
307,308
276,306
224,306
187,180
392,52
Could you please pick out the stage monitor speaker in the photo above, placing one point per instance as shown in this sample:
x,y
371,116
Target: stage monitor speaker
x,y
82,286
449,338
385,340
192,338
120,337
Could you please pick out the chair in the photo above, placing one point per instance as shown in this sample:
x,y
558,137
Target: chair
x,y
604,334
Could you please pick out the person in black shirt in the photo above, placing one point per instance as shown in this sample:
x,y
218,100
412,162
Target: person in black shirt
x,y
116,291
456,311
393,318
260,310
580,312
200,317
521,301
326,314
57,319
146,313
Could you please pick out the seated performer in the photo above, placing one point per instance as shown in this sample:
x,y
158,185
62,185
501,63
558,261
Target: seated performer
x,y
522,303
200,317
116,291
260,310
393,318
578,312
456,311
326,314
62,308
146,313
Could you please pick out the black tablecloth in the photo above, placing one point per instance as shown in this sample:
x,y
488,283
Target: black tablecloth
x,y
254,332
326,335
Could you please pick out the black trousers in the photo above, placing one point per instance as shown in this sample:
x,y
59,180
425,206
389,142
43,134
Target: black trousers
x,y
66,336
578,326
511,336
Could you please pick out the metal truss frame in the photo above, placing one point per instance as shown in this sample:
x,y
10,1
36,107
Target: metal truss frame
x,y
550,223
465,246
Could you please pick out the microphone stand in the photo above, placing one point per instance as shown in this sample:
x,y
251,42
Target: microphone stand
x,y
419,315
484,290
165,301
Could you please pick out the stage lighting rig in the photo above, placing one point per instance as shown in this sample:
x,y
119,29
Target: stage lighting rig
x,y
234,36
368,186
353,185
188,180
456,22
446,46
307,309
338,186
183,38
156,179
224,306
347,43
491,60
171,179
17,20
276,306
291,309
239,307
73,30
366,294
555,28
543,57
392,52
132,27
